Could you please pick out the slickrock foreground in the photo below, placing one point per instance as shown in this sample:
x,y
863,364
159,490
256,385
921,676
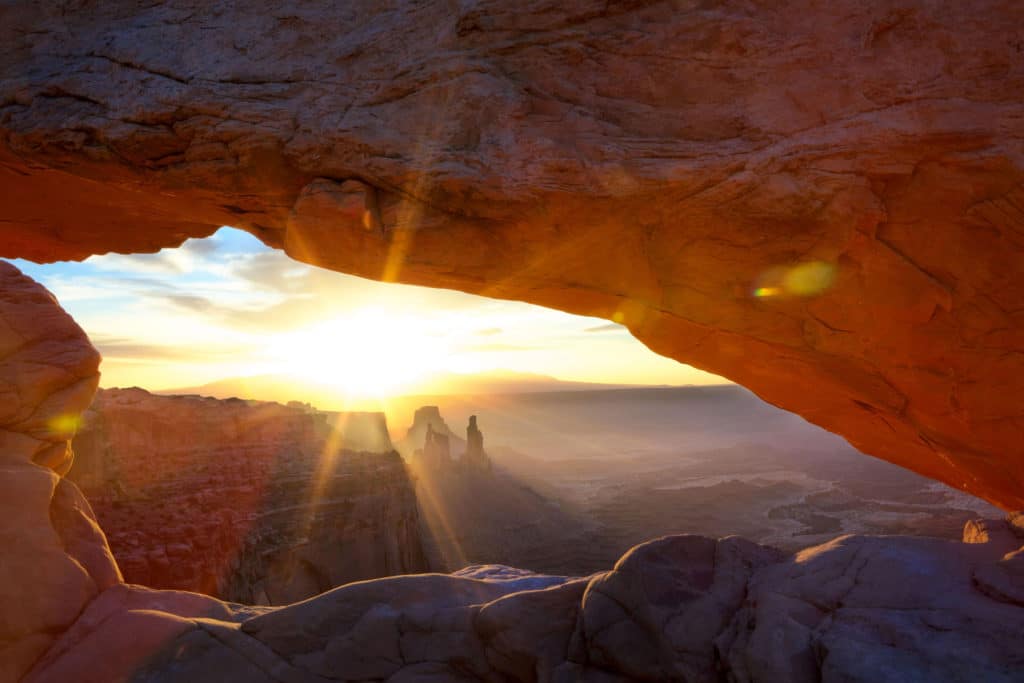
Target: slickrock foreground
x,y
821,201
684,608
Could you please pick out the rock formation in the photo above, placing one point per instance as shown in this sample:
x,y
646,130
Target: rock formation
x,y
685,608
55,558
428,445
262,503
428,418
821,202
436,454
475,459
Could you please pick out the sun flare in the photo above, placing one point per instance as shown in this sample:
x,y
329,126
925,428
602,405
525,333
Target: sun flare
x,y
367,353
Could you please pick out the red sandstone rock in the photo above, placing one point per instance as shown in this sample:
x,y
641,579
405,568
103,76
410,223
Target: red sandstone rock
x,y
262,503
50,371
861,164
54,557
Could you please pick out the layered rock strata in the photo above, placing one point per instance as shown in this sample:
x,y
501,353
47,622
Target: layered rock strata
x,y
262,503
821,202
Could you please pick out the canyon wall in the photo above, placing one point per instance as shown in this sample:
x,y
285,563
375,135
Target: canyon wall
x,y
248,501
820,201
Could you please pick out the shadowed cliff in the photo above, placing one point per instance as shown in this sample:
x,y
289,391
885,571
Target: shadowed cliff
x,y
243,500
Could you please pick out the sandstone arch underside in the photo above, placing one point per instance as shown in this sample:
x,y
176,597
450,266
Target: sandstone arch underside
x,y
651,163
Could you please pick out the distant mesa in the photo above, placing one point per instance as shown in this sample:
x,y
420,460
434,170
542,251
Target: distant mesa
x,y
428,418
436,453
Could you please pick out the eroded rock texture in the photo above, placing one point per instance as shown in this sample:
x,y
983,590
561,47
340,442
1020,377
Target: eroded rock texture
x,y
53,556
860,165
262,503
681,608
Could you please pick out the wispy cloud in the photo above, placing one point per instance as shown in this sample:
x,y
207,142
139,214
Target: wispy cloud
x,y
166,262
490,348
610,327
272,270
191,302
124,348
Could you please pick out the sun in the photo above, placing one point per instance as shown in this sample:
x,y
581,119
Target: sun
x,y
371,352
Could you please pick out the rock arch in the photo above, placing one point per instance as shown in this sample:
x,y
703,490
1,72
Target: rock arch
x,y
653,164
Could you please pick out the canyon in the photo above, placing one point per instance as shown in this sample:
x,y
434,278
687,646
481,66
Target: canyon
x,y
580,477
245,501
821,202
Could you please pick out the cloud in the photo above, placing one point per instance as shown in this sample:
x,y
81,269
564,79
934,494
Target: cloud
x,y
610,327
113,348
160,263
199,247
143,283
490,331
273,270
191,302
488,348
192,254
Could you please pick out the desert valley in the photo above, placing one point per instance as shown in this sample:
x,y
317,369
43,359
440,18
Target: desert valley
x,y
268,504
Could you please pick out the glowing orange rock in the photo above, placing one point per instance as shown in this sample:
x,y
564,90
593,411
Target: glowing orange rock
x,y
646,163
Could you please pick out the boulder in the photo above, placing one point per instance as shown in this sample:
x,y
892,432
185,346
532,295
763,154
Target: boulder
x,y
656,615
863,608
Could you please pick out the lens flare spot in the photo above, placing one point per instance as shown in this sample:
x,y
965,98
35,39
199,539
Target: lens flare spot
x,y
64,424
809,279
806,279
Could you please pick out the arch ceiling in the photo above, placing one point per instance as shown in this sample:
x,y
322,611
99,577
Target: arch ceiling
x,y
828,210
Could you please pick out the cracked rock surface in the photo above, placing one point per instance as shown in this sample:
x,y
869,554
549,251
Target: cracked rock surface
x,y
860,166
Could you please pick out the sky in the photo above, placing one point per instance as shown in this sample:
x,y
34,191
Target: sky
x,y
228,306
